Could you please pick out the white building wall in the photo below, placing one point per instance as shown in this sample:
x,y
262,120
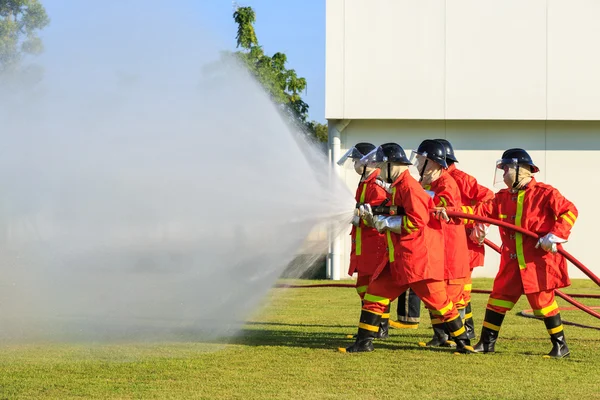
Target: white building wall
x,y
463,59
566,152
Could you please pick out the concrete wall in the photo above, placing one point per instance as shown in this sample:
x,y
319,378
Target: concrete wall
x,y
567,153
463,59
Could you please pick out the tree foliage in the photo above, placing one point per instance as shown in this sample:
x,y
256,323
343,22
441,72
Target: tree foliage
x,y
20,21
283,84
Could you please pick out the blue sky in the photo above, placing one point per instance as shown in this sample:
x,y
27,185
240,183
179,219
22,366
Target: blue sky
x,y
296,28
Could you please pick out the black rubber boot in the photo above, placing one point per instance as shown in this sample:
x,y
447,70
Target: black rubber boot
x,y
459,335
468,322
441,336
557,337
367,331
489,333
384,325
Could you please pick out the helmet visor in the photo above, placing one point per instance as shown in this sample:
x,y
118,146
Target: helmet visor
x,y
352,154
374,158
505,173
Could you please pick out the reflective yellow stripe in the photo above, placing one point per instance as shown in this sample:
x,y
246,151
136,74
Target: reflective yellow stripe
x,y
546,310
377,299
502,216
361,289
469,315
564,216
408,226
452,319
358,248
458,332
443,202
519,236
388,234
385,315
501,303
468,287
368,327
573,216
467,210
555,330
390,246
436,321
491,326
443,310
372,312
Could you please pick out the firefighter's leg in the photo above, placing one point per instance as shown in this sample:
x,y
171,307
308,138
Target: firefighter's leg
x,y
376,301
468,318
441,336
384,324
433,294
544,306
362,283
497,307
409,311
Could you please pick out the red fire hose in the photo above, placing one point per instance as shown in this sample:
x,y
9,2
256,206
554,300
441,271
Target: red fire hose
x,y
568,256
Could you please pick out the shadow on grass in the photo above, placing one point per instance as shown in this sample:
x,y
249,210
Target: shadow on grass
x,y
349,327
321,340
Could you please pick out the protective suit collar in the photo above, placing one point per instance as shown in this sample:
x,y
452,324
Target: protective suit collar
x,y
400,178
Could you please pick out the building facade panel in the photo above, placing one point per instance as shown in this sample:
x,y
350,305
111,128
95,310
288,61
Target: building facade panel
x,y
496,59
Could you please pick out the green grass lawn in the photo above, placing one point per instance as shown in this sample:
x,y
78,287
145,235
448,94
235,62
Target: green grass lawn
x,y
287,350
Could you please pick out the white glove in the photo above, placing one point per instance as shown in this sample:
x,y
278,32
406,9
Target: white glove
x,y
479,233
365,212
356,217
379,222
383,223
441,214
548,242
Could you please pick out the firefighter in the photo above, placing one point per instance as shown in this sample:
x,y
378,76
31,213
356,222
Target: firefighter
x,y
527,266
410,264
430,162
471,193
368,250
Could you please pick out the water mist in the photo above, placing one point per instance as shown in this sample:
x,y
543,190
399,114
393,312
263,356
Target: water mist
x,y
141,197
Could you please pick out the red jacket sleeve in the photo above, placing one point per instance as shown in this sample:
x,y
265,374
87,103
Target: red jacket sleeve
x,y
566,214
417,205
477,193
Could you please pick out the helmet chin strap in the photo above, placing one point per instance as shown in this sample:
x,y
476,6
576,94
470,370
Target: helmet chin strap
x,y
516,182
389,173
362,176
422,171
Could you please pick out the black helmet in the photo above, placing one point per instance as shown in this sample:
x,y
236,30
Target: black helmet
x,y
388,152
364,148
449,151
434,151
518,156
357,152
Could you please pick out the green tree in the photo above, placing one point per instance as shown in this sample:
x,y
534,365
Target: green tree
x,y
20,21
283,84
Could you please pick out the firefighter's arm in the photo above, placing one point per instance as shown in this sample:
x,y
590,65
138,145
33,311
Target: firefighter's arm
x,y
417,207
375,195
565,213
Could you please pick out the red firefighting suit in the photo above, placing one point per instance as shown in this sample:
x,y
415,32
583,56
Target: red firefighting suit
x,y
525,269
471,193
456,255
411,263
369,247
